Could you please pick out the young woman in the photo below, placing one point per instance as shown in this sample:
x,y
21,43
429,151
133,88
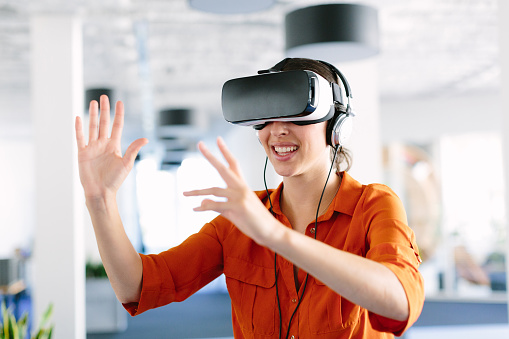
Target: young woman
x,y
347,269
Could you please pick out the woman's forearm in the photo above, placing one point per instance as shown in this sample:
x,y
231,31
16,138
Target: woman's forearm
x,y
121,261
364,282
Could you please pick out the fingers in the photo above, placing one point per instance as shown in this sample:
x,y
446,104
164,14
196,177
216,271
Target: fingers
x,y
215,191
228,156
100,128
210,205
104,125
218,165
133,150
230,175
93,113
118,122
80,138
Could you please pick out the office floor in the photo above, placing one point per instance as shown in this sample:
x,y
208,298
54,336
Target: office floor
x,y
209,316
490,331
200,316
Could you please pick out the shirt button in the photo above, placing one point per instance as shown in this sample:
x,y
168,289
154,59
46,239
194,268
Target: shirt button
x,y
312,230
292,337
294,300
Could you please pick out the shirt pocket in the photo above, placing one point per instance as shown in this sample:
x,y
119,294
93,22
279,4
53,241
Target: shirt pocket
x,y
330,312
253,295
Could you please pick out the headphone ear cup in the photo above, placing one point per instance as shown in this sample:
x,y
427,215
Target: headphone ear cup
x,y
342,130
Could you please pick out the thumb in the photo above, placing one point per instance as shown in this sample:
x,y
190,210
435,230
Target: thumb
x,y
133,150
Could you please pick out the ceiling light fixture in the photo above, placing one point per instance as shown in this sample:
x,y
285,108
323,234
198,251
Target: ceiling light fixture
x,y
95,94
231,6
335,32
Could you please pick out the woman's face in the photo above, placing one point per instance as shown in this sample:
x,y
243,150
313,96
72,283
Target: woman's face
x,y
296,150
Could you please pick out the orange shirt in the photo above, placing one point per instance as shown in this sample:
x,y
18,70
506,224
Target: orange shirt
x,y
365,220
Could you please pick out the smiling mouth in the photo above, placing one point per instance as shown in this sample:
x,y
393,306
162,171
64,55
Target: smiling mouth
x,y
282,151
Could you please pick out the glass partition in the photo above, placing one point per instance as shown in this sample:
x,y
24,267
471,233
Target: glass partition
x,y
453,191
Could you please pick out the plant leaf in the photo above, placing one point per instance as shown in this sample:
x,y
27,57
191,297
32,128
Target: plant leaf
x,y
5,320
13,326
38,335
47,315
23,325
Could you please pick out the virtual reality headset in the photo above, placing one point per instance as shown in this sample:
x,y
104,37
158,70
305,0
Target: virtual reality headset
x,y
301,96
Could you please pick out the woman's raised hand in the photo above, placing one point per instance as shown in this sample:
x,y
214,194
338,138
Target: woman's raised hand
x,y
241,205
101,164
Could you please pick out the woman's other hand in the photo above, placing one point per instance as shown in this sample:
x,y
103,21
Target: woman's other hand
x,y
102,167
240,205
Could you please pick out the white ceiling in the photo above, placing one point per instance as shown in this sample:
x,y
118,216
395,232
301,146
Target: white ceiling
x,y
175,56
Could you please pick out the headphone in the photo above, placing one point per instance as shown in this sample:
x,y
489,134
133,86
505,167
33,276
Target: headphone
x,y
340,126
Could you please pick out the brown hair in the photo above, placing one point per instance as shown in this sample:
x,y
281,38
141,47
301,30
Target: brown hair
x,y
343,156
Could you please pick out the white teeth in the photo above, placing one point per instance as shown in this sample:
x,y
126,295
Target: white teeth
x,y
285,149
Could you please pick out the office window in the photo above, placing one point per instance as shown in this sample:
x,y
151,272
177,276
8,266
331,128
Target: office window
x,y
453,191
166,216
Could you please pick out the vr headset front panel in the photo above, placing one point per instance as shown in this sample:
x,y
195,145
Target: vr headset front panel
x,y
299,96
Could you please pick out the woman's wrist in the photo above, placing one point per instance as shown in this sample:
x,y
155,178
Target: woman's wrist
x,y
277,237
100,202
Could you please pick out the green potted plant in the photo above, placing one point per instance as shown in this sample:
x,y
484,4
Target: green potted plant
x,y
10,328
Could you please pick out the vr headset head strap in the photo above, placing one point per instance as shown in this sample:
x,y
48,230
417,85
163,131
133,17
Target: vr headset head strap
x,y
341,77
348,91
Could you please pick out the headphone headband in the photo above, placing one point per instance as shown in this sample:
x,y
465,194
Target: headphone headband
x,y
279,66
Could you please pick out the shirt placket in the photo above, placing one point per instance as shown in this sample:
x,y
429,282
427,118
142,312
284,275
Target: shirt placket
x,y
287,273
293,299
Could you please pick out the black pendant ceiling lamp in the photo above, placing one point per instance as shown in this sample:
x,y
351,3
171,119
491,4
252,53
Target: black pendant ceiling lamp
x,y
176,133
335,32
231,6
95,94
176,123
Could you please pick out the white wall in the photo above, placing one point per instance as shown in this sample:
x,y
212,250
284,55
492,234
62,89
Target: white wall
x,y
365,143
423,119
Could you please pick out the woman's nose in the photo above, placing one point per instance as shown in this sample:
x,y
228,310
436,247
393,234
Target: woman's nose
x,y
279,128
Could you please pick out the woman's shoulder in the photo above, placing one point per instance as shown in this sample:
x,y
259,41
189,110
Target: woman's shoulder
x,y
371,189
380,189
359,197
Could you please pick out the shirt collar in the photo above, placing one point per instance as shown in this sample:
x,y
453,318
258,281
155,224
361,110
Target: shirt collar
x,y
344,202
274,198
348,195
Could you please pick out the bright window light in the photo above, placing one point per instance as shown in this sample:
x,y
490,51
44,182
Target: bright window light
x,y
166,216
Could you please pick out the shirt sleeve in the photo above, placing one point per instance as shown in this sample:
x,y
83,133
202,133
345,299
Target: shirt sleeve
x,y
177,273
392,243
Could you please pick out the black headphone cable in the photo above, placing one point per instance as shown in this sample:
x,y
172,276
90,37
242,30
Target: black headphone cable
x,y
316,231
275,254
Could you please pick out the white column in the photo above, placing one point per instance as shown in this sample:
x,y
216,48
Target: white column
x,y
57,96
503,14
365,143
